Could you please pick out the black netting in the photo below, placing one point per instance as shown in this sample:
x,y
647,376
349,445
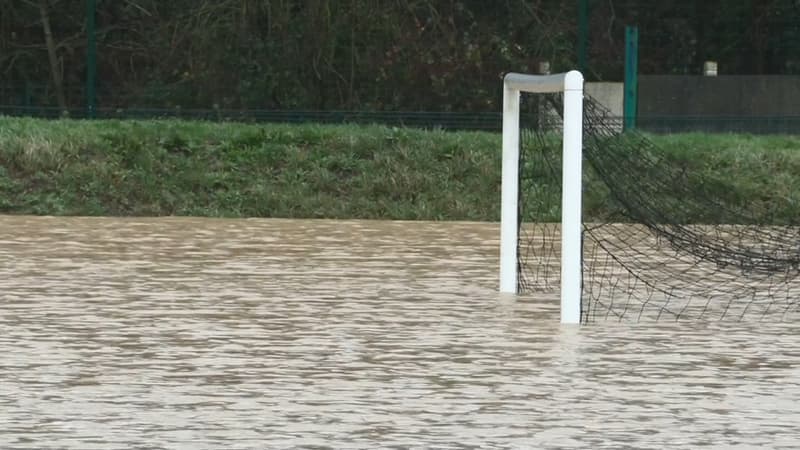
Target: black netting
x,y
662,241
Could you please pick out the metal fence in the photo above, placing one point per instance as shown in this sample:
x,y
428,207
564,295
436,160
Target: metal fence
x,y
720,124
33,100
430,120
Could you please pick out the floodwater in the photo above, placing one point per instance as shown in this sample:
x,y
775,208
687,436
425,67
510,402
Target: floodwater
x,y
259,334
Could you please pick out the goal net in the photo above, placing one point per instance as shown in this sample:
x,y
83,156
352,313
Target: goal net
x,y
653,237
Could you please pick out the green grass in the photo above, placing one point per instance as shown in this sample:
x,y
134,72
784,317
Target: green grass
x,y
154,168
761,171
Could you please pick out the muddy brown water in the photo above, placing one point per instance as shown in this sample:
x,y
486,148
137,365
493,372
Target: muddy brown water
x,y
247,334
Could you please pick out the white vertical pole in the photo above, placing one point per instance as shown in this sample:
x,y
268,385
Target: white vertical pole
x,y
571,270
510,191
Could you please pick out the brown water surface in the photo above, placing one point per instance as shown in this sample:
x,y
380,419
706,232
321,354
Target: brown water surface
x,y
197,333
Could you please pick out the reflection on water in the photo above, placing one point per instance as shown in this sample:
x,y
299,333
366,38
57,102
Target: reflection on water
x,y
197,333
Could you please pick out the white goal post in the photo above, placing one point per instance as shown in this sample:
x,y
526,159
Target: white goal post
x,y
571,84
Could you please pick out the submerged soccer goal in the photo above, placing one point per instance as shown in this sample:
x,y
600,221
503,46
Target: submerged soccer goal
x,y
621,229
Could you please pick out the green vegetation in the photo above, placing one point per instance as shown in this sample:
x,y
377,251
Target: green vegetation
x,y
206,169
149,168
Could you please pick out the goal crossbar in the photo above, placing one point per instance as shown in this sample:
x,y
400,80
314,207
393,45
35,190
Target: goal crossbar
x,y
571,84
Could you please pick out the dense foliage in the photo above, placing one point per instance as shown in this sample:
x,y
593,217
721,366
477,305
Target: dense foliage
x,y
365,54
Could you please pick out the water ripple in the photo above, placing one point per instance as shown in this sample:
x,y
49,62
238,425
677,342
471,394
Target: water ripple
x,y
198,333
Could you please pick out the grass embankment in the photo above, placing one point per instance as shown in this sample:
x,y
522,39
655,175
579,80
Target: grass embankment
x,y
233,170
151,168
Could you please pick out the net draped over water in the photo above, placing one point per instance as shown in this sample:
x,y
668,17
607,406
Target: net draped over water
x,y
660,240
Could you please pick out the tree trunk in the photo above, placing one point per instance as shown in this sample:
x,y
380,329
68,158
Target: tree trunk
x,y
55,71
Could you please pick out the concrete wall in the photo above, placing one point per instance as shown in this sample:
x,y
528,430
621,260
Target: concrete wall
x,y
727,95
608,94
743,103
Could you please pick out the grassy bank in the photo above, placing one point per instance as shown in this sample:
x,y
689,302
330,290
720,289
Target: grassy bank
x,y
236,170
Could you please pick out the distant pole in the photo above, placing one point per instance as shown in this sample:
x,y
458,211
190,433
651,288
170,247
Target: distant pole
x,y
91,60
583,34
631,76
710,68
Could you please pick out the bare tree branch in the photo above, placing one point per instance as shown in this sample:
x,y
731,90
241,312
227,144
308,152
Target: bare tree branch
x,y
55,69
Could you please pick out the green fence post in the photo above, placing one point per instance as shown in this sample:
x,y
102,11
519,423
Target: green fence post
x,y
631,81
583,34
91,60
